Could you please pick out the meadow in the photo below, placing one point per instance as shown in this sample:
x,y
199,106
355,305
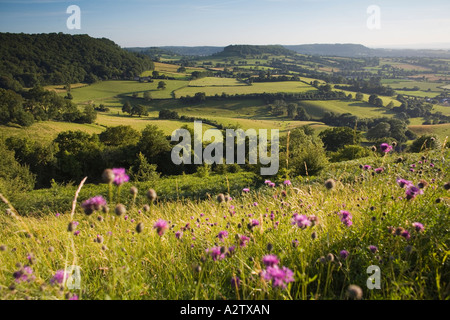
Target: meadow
x,y
302,239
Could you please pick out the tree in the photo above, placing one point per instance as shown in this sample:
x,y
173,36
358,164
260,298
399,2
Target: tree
x,y
302,115
372,98
155,74
359,96
291,109
381,130
161,85
378,102
425,142
336,138
126,107
138,109
143,171
147,96
153,143
181,69
120,136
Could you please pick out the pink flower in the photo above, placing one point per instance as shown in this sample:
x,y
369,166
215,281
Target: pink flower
x,y
160,226
120,176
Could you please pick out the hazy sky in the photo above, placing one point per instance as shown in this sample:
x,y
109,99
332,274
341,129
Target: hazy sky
x,y
219,23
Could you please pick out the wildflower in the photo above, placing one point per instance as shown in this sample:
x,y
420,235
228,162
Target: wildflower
x,y
133,191
287,182
108,176
160,226
221,198
379,170
405,234
418,226
384,147
178,234
243,240
215,253
354,292
222,235
344,254
267,182
120,209
255,204
59,277
346,218
301,221
254,223
151,195
412,192
295,243
272,185
367,167
57,215
139,227
402,183
76,233
330,184
373,249
270,260
120,176
93,204
24,274
246,190
279,276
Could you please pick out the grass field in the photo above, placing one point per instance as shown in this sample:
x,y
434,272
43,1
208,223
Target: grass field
x,y
314,244
359,109
215,82
267,87
441,130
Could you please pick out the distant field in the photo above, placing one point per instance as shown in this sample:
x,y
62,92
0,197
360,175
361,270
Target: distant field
x,y
214,81
441,130
267,87
61,89
108,89
402,65
48,130
359,109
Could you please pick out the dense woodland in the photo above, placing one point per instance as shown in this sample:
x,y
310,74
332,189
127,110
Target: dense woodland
x,y
57,58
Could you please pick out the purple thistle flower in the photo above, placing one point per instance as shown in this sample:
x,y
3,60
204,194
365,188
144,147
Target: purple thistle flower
x,y
215,253
405,234
287,182
243,240
384,147
412,192
373,249
76,233
270,260
120,176
267,182
255,223
246,190
272,185
402,183
367,167
160,226
301,221
346,218
93,204
344,254
418,226
279,276
59,277
178,234
379,170
58,214
24,274
222,235
255,204
74,297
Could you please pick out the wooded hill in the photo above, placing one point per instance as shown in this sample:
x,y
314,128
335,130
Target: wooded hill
x,y
57,58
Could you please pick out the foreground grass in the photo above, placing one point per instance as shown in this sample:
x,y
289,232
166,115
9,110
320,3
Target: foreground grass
x,y
125,264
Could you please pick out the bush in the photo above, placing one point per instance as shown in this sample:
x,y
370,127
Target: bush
x,y
349,153
425,142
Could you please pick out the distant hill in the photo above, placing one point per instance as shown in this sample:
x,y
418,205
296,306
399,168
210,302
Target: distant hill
x,y
58,58
244,50
174,50
358,50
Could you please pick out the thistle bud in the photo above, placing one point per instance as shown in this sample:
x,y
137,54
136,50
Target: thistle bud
x,y
120,209
108,176
151,195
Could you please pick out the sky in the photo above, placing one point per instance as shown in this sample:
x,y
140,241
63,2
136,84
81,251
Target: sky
x,y
147,23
